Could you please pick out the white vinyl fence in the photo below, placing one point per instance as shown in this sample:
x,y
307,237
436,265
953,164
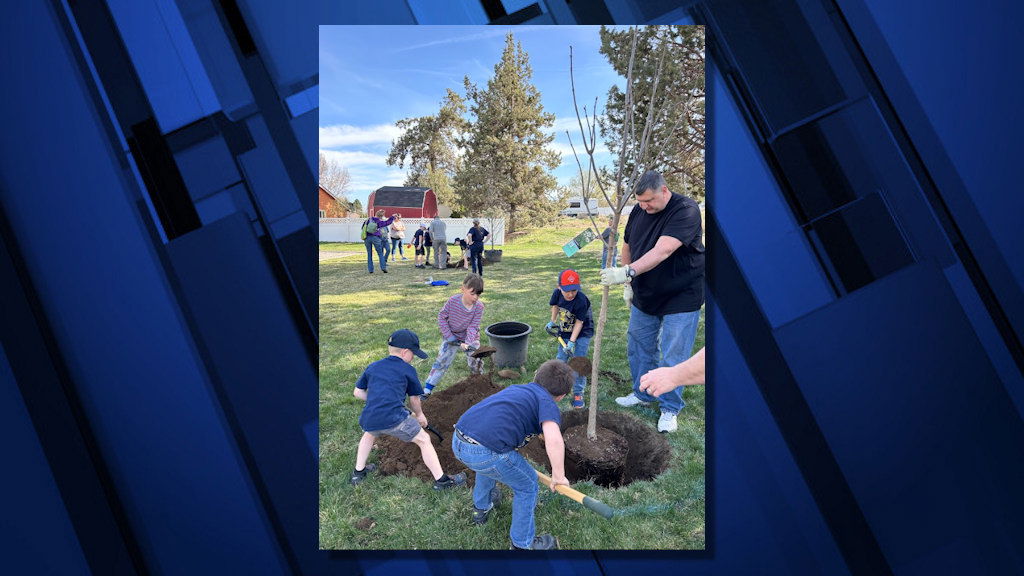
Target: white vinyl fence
x,y
347,229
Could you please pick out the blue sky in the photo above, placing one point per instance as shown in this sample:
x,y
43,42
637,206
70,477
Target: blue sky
x,y
373,76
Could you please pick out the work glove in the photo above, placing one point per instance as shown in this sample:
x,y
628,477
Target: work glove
x,y
627,294
550,326
610,276
570,348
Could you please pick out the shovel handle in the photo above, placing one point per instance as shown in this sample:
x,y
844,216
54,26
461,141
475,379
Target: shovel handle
x,y
589,503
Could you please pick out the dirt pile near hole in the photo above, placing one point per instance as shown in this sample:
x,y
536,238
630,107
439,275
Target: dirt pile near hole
x,y
443,409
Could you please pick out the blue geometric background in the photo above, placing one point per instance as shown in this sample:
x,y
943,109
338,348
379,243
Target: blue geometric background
x,y
158,293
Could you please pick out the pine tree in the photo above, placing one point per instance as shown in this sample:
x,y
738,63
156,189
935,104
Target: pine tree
x,y
677,140
430,145
507,162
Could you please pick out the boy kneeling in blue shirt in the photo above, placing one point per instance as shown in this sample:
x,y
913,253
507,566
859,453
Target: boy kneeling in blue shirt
x,y
384,386
486,438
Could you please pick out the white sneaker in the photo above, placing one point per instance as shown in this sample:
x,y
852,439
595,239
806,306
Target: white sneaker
x,y
667,422
630,400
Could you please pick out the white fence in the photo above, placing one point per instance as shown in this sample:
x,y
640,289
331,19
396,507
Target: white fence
x,y
347,229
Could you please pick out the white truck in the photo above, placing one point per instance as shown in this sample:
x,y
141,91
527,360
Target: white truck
x,y
578,209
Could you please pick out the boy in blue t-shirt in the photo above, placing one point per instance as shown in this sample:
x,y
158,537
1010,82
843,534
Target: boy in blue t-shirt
x,y
486,438
570,313
384,386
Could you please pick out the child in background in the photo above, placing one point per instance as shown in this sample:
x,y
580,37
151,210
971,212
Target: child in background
x,y
486,438
384,386
459,322
570,314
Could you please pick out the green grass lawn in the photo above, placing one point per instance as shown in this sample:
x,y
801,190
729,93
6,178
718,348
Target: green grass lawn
x,y
357,313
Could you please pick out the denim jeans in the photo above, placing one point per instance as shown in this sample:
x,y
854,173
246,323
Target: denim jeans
x,y
605,262
582,344
510,469
475,262
396,245
375,243
445,355
656,341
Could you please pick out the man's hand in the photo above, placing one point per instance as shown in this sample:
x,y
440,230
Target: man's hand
x,y
422,419
559,479
627,294
610,276
570,348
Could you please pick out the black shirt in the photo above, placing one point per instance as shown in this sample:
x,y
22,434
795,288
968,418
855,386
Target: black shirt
x,y
677,284
476,238
569,311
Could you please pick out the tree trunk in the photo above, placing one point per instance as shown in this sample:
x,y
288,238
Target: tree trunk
x,y
595,370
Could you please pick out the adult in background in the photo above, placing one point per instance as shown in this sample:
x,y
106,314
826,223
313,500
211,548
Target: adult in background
x,y
663,268
375,241
477,235
608,237
397,236
385,239
438,234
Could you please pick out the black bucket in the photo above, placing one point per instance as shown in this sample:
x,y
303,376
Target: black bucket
x,y
509,339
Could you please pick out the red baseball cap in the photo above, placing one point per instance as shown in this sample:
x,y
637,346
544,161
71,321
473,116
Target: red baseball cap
x,y
569,280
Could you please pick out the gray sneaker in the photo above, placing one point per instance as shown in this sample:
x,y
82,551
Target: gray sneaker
x,y
630,400
542,542
360,475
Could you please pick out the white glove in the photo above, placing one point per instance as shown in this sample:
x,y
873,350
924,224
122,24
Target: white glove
x,y
627,294
611,276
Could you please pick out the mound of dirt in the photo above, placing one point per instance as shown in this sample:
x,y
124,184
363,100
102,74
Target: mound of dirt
x,y
645,452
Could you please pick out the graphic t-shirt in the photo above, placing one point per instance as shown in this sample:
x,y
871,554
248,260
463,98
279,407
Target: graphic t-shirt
x,y
569,311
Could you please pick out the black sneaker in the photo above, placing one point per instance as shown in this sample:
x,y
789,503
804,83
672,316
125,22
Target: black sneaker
x,y
542,542
360,475
383,270
451,482
480,516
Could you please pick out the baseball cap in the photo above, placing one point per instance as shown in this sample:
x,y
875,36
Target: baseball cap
x,y
476,220
569,280
407,339
423,224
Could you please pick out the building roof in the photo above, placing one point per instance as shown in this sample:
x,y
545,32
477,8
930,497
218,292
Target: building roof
x,y
399,197
332,194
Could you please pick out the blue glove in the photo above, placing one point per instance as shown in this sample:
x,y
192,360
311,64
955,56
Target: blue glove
x,y
550,326
570,348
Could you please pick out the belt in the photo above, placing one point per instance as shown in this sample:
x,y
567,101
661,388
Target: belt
x,y
465,438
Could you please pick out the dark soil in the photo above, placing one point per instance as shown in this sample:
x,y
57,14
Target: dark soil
x,y
647,453
603,462
581,365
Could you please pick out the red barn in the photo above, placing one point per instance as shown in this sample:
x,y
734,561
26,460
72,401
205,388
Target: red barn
x,y
409,202
330,207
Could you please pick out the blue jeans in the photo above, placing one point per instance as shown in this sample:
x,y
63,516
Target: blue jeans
x,y
510,469
375,242
582,344
605,262
656,341
396,245
475,261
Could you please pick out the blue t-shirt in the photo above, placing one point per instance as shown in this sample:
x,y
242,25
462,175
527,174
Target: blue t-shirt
x,y
387,382
504,420
569,311
476,238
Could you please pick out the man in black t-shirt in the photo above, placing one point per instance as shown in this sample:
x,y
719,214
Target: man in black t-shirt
x,y
663,269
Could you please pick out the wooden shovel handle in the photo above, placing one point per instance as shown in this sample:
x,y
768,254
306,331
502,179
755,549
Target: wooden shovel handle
x,y
591,504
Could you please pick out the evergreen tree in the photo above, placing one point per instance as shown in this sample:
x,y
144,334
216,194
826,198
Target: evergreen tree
x,y
677,141
507,162
430,145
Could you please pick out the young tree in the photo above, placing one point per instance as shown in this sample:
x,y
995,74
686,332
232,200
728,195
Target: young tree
x,y
430,145
677,148
507,161
635,152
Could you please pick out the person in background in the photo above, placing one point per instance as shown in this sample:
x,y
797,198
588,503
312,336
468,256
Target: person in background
x,y
476,236
438,235
397,236
375,241
608,238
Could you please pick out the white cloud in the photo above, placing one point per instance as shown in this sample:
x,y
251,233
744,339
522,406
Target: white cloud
x,y
340,135
350,158
565,150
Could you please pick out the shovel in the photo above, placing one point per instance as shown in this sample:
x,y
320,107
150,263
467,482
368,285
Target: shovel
x,y
554,332
589,503
430,428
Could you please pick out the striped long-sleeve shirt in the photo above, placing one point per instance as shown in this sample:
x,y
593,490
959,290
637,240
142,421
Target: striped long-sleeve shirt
x,y
455,320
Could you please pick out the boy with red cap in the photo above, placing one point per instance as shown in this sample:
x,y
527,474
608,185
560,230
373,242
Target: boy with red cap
x,y
570,314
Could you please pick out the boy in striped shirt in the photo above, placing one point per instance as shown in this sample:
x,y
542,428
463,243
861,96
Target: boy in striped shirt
x,y
459,321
